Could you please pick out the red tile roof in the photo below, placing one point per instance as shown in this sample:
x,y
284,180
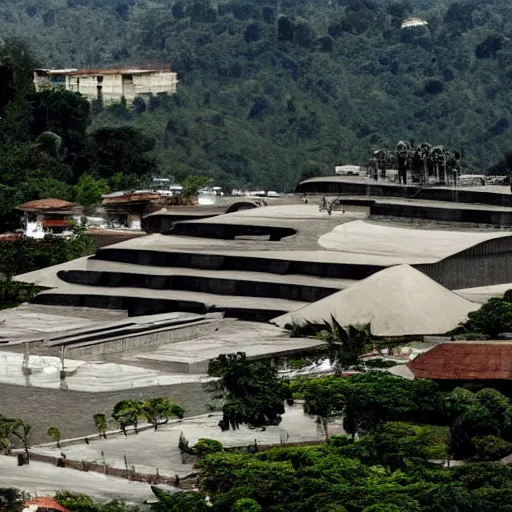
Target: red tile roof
x,y
465,361
45,204
55,223
46,503
9,237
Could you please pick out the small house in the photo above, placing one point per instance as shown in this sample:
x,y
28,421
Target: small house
x,y
43,505
49,216
469,364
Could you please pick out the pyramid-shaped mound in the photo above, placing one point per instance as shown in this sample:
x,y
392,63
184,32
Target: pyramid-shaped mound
x,y
397,301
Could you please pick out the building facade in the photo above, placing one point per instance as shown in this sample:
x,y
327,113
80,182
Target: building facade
x,y
109,85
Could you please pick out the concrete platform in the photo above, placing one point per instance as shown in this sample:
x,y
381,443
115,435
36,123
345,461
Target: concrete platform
x,y
254,278
32,321
370,243
85,376
482,294
258,341
150,450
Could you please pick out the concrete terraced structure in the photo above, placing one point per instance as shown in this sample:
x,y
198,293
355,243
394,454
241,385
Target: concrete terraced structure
x,y
258,264
484,205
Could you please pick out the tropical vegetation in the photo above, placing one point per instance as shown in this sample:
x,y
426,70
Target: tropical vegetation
x,y
270,91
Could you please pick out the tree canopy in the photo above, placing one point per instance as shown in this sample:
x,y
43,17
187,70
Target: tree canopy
x,y
252,392
270,90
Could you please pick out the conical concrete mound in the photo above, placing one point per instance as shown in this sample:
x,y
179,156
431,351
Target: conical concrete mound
x,y
397,301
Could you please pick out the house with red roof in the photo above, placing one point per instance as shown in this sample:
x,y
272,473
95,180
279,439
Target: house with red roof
x,y
466,363
43,505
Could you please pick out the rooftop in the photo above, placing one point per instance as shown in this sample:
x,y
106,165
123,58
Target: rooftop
x,y
465,361
45,503
102,71
47,205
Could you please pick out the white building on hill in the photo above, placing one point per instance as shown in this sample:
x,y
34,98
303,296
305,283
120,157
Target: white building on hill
x,y
109,85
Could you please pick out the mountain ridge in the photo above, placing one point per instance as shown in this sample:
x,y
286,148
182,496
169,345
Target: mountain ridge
x,y
271,92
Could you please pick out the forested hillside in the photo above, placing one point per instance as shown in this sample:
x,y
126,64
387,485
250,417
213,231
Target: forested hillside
x,y
272,90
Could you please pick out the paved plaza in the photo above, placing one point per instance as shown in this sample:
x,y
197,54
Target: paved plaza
x,y
150,450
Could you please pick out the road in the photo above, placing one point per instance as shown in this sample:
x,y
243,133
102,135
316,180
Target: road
x,y
44,479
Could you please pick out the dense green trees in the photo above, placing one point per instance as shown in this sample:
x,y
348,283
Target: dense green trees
x,y
25,255
479,423
295,85
252,392
46,147
83,503
493,318
159,409
128,412
389,467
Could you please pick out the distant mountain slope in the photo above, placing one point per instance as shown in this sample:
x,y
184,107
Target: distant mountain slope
x,y
271,91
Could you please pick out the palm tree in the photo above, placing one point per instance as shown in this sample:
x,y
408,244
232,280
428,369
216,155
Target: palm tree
x,y
126,413
422,159
54,433
403,155
22,431
438,159
5,446
345,345
100,420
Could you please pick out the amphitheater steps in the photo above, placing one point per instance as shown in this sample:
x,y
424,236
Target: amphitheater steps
x,y
236,283
142,301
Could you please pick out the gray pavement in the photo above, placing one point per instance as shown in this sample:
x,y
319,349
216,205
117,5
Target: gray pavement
x,y
150,450
43,479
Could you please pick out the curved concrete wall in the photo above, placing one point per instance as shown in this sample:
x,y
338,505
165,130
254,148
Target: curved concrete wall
x,y
212,285
137,306
229,231
484,264
426,212
408,191
236,262
242,205
163,223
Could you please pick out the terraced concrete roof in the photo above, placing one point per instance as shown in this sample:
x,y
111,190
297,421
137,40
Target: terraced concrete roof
x,y
371,243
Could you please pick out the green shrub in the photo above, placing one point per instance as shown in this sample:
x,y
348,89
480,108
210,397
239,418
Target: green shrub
x,y
339,441
246,505
491,448
494,317
206,446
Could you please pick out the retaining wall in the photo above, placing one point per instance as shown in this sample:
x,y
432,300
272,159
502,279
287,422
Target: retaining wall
x,y
236,262
142,306
230,231
72,411
217,286
459,195
163,223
